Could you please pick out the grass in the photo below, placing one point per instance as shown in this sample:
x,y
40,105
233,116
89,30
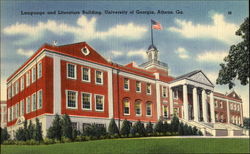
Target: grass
x,y
140,146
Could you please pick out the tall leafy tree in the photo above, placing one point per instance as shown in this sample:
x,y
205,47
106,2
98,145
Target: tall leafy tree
x,y
55,130
113,129
125,129
175,124
30,131
236,64
67,129
38,131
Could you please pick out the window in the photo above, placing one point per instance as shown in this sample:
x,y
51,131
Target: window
x,y
22,108
138,86
28,104
17,110
99,77
39,99
216,117
13,90
238,107
149,88
71,71
9,92
11,113
34,102
164,92
85,126
216,104
86,74
99,102
126,84
33,77
176,94
39,70
86,101
221,105
22,83
231,106
27,78
74,125
14,112
71,99
149,109
17,87
126,107
165,111
235,107
138,108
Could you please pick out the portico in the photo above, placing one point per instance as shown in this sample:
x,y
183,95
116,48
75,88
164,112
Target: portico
x,y
196,95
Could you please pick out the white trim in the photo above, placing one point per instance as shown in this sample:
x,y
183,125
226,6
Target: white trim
x,y
97,83
39,69
67,107
124,84
162,87
75,71
90,96
158,100
37,102
33,74
28,103
57,96
27,76
22,83
103,104
139,86
190,82
110,94
136,77
147,89
89,74
32,101
220,98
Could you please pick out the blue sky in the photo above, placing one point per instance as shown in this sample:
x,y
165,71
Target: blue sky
x,y
197,39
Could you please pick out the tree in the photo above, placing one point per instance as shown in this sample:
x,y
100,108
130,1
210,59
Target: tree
x,y
166,127
139,128
195,131
181,129
185,129
125,129
237,62
26,131
113,129
175,124
55,130
158,127
149,128
246,123
30,131
190,130
20,134
67,130
4,134
38,131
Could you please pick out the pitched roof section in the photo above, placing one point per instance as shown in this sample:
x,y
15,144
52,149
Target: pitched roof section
x,y
196,75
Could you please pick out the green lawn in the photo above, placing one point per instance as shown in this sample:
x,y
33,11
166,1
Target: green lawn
x,y
140,146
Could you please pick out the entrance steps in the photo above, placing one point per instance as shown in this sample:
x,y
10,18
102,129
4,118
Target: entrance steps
x,y
215,129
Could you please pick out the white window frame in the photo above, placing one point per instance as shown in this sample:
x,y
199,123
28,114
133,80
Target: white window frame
x,y
96,77
139,86
150,109
9,92
28,79
76,107
13,90
21,107
124,79
9,114
163,114
124,107
22,83
75,73
89,74
221,105
33,98
102,103
28,105
163,87
39,94
17,109
39,70
150,89
90,96
140,102
33,74
17,86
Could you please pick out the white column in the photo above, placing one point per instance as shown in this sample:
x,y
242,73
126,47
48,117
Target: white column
x,y
171,102
110,93
158,100
212,107
241,114
228,113
57,84
185,102
204,105
195,104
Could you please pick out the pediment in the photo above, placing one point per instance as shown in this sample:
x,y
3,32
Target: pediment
x,y
201,78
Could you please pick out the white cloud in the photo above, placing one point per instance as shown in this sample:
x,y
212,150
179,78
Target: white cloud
x,y
219,29
131,53
84,30
212,76
26,53
182,53
211,56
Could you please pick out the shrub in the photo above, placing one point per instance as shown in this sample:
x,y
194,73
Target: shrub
x,y
200,133
125,129
65,140
174,124
185,129
95,130
48,141
30,131
113,129
195,131
181,129
139,129
158,127
55,132
31,142
66,124
38,131
9,142
20,135
4,134
166,127
149,129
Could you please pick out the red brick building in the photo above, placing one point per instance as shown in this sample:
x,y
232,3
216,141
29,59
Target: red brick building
x,y
75,79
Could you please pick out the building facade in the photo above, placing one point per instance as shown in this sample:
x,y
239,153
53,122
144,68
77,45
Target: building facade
x,y
75,79
3,114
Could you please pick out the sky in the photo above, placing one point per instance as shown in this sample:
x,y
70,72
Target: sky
x,y
196,35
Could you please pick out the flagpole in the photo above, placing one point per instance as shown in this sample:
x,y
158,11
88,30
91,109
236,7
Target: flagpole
x,y
151,33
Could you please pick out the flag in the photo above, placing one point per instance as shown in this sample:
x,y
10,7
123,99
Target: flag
x,y
156,25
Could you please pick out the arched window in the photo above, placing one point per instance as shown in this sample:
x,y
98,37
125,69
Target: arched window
x,y
138,107
149,109
126,104
165,111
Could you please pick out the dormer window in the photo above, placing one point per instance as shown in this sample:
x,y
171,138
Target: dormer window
x,y
85,51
